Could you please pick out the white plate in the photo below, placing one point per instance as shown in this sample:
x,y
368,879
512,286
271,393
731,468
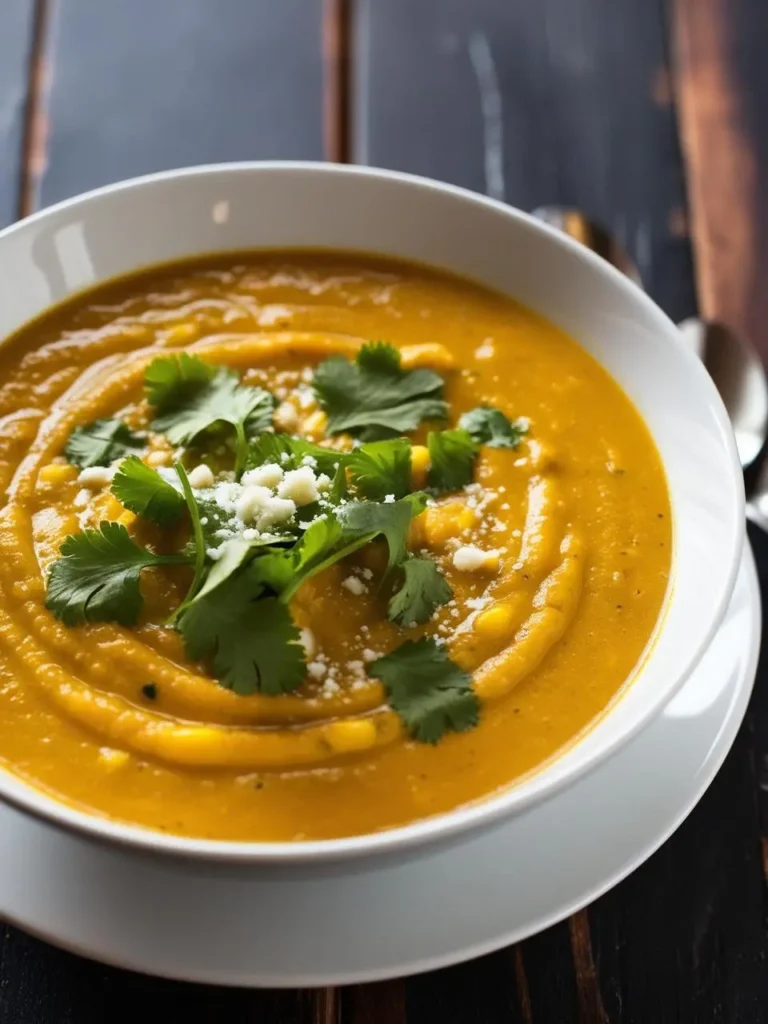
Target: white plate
x,y
279,927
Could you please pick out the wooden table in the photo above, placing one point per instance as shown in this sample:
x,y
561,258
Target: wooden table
x,y
646,115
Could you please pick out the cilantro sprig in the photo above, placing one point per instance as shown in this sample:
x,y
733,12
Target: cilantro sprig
x,y
381,468
491,427
374,397
431,693
190,398
143,491
101,443
251,640
424,589
452,455
97,577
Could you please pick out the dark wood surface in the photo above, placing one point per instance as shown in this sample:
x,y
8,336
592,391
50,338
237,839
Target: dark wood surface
x,y
646,115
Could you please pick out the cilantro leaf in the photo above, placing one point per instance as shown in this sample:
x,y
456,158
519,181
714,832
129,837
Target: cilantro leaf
x,y
97,577
490,426
368,519
250,640
101,443
380,468
423,590
452,456
431,693
374,397
334,537
288,452
190,400
143,491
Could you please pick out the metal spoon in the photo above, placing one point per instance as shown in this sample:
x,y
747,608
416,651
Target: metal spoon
x,y
732,362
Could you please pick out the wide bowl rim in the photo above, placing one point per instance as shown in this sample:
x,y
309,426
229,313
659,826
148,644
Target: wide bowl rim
x,y
482,813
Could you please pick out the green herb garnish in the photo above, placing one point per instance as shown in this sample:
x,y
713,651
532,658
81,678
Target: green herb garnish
x,y
431,693
491,427
369,519
100,443
288,452
97,577
190,398
452,456
381,468
251,640
374,397
143,491
423,590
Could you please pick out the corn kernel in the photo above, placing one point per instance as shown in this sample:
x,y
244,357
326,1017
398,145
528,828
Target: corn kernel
x,y
57,473
286,417
112,508
126,518
182,334
419,465
444,522
314,425
346,737
161,457
495,622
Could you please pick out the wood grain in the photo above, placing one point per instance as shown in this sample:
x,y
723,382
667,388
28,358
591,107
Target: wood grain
x,y
591,1009
383,1003
143,86
557,101
722,88
337,98
17,31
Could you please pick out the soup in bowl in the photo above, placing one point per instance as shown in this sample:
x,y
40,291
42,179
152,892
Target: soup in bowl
x,y
310,549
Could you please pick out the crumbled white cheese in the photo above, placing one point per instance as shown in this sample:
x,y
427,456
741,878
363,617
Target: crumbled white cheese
x,y
307,641
317,669
369,655
277,510
268,475
96,477
389,499
354,586
300,485
82,498
471,559
201,476
357,668
323,483
251,502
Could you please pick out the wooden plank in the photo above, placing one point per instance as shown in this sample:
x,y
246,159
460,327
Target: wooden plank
x,y
722,84
17,20
558,101
141,86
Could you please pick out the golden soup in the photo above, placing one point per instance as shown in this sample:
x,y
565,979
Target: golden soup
x,y
556,552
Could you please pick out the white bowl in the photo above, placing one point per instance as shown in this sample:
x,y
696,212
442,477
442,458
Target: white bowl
x,y
162,217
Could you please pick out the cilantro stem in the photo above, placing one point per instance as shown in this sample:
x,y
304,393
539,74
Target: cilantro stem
x,y
242,449
197,530
289,592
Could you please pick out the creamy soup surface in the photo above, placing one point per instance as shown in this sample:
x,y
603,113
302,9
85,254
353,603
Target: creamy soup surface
x,y
541,528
